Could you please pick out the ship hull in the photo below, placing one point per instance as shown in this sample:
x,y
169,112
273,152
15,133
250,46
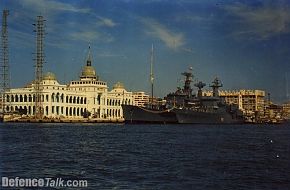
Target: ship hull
x,y
136,114
198,117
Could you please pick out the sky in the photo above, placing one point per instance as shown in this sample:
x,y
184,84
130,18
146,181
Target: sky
x,y
244,43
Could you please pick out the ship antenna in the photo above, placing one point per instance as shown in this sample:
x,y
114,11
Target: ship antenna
x,y
151,73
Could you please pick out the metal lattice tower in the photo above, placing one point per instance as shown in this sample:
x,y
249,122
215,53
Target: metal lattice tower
x,y
5,82
39,61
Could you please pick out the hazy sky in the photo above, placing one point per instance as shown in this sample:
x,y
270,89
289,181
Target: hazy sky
x,y
245,43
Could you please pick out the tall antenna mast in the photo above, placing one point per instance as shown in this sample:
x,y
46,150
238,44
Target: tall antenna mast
x,y
5,79
39,60
151,73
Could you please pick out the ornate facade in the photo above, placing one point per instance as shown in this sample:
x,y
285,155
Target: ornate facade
x,y
87,97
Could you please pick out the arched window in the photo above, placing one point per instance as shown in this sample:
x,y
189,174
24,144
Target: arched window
x,y
47,97
78,100
74,100
12,98
16,98
29,98
99,99
57,97
85,101
52,97
62,98
21,98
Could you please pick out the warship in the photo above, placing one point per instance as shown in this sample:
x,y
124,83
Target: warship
x,y
208,109
151,112
183,107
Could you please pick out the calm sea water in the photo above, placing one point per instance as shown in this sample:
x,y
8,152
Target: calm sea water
x,y
150,156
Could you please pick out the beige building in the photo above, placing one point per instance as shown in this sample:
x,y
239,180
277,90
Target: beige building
x,y
286,109
87,97
250,101
140,98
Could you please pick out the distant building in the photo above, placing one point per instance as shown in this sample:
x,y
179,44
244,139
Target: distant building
x,y
140,98
250,101
87,97
286,109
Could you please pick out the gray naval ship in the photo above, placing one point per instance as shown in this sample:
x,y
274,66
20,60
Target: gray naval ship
x,y
184,107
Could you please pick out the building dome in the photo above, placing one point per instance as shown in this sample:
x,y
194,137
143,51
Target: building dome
x,y
49,76
118,85
88,72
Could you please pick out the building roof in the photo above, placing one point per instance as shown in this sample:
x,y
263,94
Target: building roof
x,y
118,85
88,70
49,76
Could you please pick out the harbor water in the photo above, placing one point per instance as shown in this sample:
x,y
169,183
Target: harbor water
x,y
119,156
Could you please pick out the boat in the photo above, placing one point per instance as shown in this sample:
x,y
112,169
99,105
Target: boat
x,y
151,112
182,106
139,114
200,109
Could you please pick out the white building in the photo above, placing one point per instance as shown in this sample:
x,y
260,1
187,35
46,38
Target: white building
x,y
87,97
